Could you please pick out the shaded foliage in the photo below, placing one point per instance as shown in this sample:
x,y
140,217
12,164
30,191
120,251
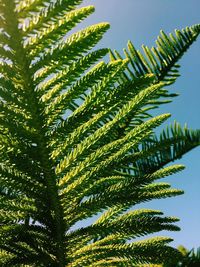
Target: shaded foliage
x,y
77,139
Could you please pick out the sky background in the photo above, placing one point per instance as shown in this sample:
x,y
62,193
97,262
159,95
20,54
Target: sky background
x,y
140,21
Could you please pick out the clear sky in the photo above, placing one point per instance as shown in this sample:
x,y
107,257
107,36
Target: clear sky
x,y
140,21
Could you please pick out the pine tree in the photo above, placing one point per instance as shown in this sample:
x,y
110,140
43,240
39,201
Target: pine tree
x,y
77,140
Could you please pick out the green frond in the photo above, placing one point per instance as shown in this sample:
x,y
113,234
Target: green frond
x,y
160,60
171,145
15,180
128,189
67,76
108,74
29,5
53,32
112,156
74,46
129,225
44,11
77,140
15,209
139,132
105,98
93,253
167,171
124,194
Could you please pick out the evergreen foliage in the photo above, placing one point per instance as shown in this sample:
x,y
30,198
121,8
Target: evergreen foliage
x,y
77,139
190,258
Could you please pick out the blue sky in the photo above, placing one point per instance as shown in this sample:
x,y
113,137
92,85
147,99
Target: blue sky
x,y
140,21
